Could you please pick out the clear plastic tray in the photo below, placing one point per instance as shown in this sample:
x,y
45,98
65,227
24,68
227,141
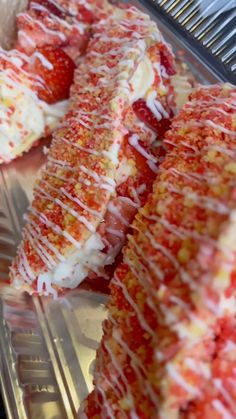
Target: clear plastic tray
x,y
48,347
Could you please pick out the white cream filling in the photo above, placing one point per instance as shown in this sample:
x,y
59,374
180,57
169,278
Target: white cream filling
x,y
142,79
182,88
76,267
113,152
123,171
23,117
222,279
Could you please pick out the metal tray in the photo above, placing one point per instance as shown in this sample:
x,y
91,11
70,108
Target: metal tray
x,y
48,347
47,352
207,27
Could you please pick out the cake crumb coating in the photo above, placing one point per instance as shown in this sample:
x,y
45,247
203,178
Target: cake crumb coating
x,y
168,349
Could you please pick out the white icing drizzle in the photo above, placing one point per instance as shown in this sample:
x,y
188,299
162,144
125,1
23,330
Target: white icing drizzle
x,y
223,390
65,166
29,41
208,176
28,234
136,364
61,164
45,241
26,265
56,176
46,63
18,101
185,275
229,346
199,367
115,362
127,296
86,150
151,104
220,408
181,232
109,182
23,272
43,27
38,6
106,404
205,202
55,228
44,195
179,379
135,195
152,265
81,204
220,128
114,384
221,149
134,141
214,108
151,298
113,209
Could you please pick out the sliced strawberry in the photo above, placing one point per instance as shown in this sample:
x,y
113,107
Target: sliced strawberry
x,y
84,14
144,175
145,115
167,62
56,71
141,162
51,6
117,218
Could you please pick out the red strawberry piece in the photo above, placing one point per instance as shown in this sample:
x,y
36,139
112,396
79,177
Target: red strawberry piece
x,y
141,162
145,175
51,6
167,62
112,221
145,115
85,15
56,69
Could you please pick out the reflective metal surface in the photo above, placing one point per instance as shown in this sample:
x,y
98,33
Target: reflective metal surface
x,y
207,27
47,347
47,352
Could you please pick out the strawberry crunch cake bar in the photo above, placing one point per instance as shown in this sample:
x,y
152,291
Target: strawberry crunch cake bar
x,y
103,158
35,77
33,93
169,344
34,86
59,23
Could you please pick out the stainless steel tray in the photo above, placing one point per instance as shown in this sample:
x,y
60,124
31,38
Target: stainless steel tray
x,y
47,352
207,27
48,347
